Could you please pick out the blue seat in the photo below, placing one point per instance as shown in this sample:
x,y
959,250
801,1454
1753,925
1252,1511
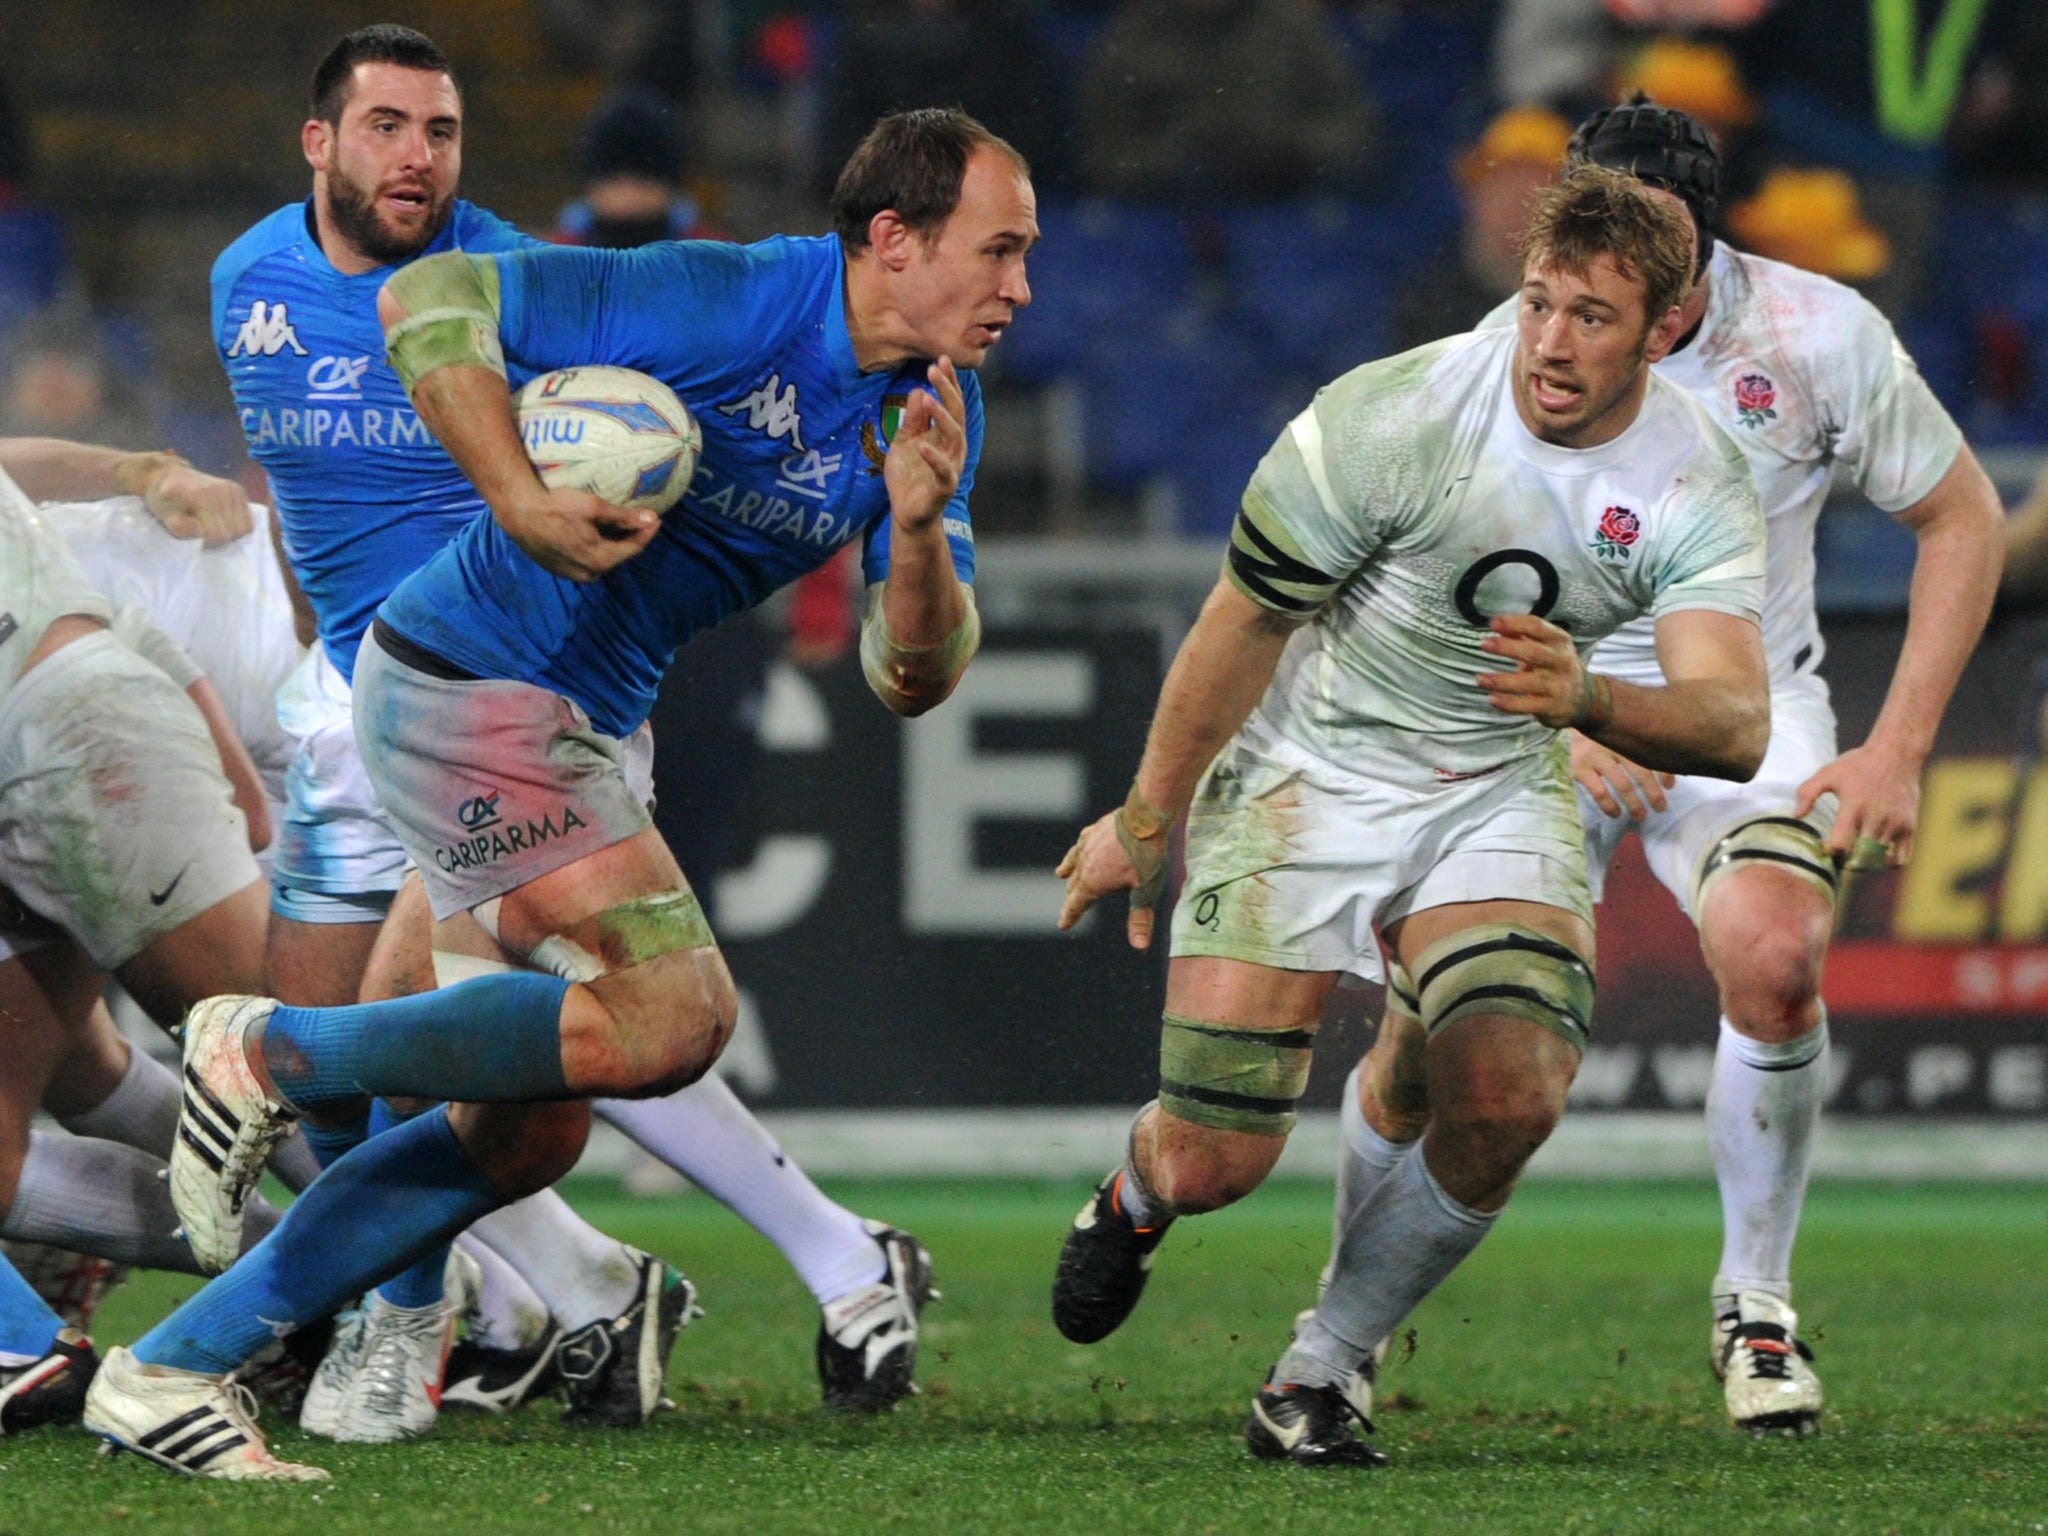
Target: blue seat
x,y
1320,277
1104,273
1197,407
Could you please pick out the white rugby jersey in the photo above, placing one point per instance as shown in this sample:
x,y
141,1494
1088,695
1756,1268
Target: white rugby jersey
x,y
1803,373
39,582
227,608
1413,483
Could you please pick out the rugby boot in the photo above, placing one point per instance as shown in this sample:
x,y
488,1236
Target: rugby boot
x,y
227,1128
50,1390
612,1371
493,1380
867,1339
1104,1264
1766,1371
201,1426
1309,1426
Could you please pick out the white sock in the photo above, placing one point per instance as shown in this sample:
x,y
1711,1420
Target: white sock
x,y
580,1273
1364,1159
1405,1240
98,1197
142,1111
706,1134
508,1313
1761,1112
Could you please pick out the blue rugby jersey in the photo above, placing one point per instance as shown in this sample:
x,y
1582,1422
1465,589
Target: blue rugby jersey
x,y
364,493
753,338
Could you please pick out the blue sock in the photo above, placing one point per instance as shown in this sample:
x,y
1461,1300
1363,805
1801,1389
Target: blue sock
x,y
420,1286
27,1325
493,1039
329,1143
384,1206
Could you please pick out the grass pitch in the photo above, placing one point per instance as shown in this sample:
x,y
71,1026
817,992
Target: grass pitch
x,y
1558,1383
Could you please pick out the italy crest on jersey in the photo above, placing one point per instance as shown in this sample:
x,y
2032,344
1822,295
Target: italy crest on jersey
x,y
874,446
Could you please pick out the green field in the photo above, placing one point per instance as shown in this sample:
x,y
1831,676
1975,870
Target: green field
x,y
1557,1384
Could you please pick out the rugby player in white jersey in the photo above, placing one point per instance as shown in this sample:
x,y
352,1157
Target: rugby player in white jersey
x,y
1808,378
128,817
1382,678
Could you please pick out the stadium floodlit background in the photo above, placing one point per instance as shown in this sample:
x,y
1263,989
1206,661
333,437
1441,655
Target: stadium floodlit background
x,y
1240,199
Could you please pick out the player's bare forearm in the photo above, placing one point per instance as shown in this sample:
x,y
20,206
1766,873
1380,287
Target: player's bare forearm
x,y
1718,727
1221,670
50,469
469,411
1960,529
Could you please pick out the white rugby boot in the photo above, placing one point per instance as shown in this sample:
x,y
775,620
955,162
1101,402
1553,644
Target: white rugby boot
x,y
227,1128
1766,1372
202,1426
381,1378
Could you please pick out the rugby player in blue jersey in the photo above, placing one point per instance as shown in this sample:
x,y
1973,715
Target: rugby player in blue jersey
x,y
366,495
498,695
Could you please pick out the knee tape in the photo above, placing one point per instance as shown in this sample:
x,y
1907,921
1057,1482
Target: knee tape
x,y
1503,968
624,936
1233,1079
1402,1003
1783,842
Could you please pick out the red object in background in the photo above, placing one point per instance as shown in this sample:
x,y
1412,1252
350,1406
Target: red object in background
x,y
821,621
783,46
2004,359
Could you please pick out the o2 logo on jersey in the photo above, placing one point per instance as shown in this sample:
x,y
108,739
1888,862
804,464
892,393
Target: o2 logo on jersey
x,y
336,378
1619,529
1755,394
1507,591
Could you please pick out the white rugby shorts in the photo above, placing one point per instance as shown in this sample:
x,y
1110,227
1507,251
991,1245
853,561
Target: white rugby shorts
x,y
337,857
1701,811
116,821
1294,863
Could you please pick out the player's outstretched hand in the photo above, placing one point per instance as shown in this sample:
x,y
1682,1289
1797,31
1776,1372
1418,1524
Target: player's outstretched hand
x,y
1616,784
1548,682
928,454
575,534
194,505
1097,865
1879,809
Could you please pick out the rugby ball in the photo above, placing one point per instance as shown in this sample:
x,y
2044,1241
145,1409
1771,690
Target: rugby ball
x,y
611,431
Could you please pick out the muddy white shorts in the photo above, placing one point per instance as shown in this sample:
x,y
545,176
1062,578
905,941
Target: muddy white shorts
x,y
1293,862
1701,811
116,821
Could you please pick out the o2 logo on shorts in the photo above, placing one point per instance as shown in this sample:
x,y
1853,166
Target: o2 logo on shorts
x,y
1205,911
1466,595
478,811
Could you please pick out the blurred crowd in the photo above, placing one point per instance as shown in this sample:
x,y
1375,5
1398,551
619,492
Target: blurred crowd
x,y
1240,198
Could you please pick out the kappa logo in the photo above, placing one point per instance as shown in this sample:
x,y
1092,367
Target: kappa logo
x,y
267,332
478,811
336,378
772,409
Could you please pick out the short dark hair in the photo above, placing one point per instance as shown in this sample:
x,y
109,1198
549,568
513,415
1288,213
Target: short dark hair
x,y
1596,212
912,162
384,43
